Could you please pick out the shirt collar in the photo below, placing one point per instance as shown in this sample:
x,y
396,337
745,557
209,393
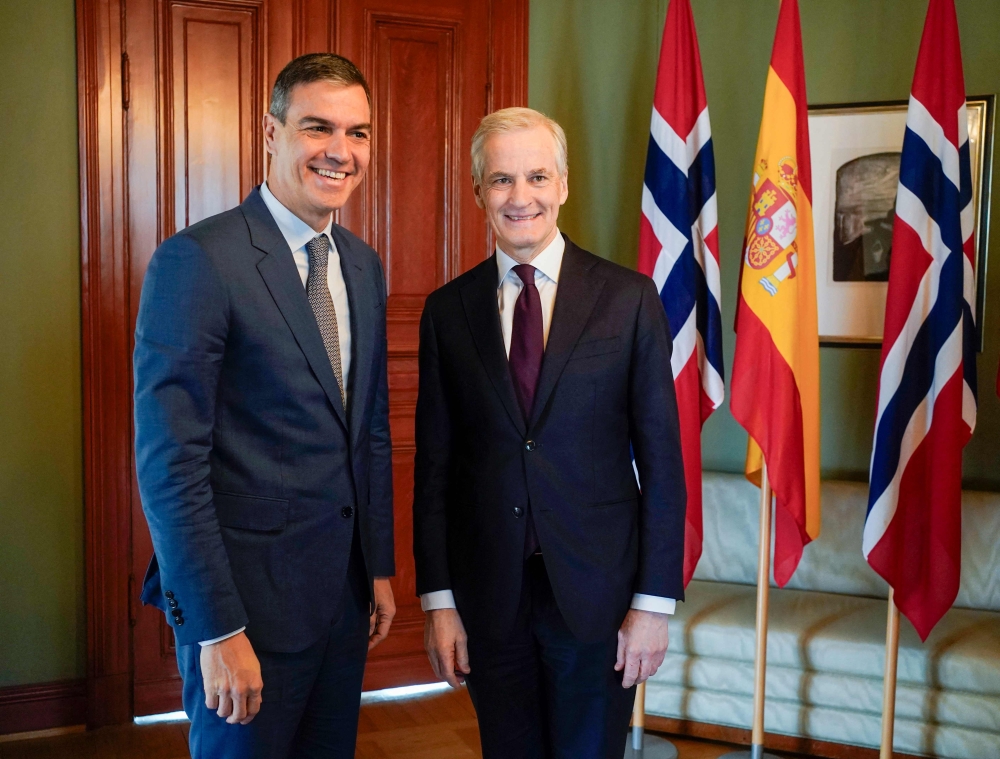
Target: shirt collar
x,y
548,262
295,231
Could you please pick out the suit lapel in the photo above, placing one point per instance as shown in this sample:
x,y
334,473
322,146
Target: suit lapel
x,y
479,297
577,294
281,276
363,299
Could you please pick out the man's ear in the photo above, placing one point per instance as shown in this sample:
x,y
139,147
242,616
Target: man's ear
x,y
477,190
564,192
270,124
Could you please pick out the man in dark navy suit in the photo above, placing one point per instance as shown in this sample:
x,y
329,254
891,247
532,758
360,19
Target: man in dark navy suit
x,y
262,438
546,575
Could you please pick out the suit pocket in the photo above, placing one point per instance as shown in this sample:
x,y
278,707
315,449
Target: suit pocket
x,y
614,502
249,512
599,347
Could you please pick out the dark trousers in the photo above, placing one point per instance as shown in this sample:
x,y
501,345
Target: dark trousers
x,y
310,699
540,693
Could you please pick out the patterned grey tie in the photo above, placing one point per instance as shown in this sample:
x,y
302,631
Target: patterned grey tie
x,y
318,291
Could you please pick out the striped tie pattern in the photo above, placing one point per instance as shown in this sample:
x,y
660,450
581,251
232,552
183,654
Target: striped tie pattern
x,y
321,302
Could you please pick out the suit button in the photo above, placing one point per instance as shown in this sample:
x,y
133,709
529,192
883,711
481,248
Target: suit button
x,y
347,512
176,612
169,594
172,603
518,512
179,621
529,445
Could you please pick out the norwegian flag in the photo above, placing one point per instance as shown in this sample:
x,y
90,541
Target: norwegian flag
x,y
927,388
679,246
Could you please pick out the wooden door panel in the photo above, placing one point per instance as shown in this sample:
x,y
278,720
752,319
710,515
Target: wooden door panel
x,y
213,72
415,129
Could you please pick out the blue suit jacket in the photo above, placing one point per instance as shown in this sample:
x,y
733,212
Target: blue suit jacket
x,y
250,470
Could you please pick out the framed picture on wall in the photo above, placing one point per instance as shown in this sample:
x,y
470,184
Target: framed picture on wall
x,y
856,151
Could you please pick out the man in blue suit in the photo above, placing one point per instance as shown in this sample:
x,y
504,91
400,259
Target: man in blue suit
x,y
262,438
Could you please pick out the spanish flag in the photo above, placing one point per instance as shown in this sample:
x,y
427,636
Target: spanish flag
x,y
775,385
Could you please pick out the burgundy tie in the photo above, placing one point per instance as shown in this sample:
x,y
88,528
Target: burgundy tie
x,y
527,344
526,339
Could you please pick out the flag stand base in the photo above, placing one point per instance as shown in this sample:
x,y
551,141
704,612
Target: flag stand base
x,y
652,747
755,752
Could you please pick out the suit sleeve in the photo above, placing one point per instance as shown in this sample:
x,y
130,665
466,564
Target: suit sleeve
x,y
431,469
383,561
180,341
656,443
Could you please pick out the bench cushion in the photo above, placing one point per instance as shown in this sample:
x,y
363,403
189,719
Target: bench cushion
x,y
833,563
825,662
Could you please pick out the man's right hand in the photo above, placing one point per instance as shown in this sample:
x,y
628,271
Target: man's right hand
x,y
231,675
447,645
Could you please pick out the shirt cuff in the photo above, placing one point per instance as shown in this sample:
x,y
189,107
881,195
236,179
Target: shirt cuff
x,y
221,638
439,599
659,604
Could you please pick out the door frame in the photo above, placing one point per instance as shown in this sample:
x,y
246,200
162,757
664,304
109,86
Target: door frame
x,y
103,95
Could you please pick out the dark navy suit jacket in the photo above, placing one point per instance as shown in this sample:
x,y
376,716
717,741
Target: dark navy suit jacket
x,y
605,383
251,472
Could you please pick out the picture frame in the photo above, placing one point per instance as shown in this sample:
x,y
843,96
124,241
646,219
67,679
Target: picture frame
x,y
855,150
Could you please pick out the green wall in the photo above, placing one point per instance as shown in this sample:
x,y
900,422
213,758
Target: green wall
x,y
42,629
593,67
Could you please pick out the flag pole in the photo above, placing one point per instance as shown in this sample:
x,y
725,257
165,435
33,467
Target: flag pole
x,y
889,682
763,598
638,718
642,746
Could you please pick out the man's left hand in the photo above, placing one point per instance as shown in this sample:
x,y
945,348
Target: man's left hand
x,y
642,644
385,610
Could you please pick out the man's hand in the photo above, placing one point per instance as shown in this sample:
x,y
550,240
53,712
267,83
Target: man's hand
x,y
231,674
385,610
642,644
447,645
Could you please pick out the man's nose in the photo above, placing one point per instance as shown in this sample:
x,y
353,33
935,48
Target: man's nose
x,y
520,194
337,149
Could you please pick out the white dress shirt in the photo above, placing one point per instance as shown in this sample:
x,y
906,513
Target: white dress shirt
x,y
547,265
297,233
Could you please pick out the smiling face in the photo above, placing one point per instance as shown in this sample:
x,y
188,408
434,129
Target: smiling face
x,y
321,152
522,190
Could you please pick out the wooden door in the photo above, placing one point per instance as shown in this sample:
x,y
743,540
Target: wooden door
x,y
194,81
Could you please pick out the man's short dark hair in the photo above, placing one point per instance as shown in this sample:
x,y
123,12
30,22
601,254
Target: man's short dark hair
x,y
314,67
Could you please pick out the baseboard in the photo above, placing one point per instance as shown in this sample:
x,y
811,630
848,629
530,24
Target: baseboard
x,y
775,741
29,708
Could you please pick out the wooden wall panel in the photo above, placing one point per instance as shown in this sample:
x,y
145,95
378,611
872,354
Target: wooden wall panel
x,y
413,65
212,68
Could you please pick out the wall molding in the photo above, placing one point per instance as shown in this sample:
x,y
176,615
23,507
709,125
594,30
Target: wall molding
x,y
102,86
44,706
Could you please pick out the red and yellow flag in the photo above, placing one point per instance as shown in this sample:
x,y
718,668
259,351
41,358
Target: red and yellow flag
x,y
775,385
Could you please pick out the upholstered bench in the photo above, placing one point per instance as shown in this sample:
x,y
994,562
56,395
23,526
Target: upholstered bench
x,y
826,646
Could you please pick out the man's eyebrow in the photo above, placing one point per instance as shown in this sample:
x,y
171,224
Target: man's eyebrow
x,y
542,170
497,174
308,120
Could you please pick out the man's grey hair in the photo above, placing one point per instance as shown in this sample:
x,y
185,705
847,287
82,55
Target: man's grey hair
x,y
509,120
314,67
